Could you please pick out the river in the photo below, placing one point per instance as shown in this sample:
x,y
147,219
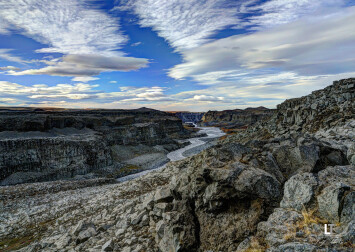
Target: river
x,y
212,132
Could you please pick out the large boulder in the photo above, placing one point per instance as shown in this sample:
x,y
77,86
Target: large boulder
x,y
330,201
299,191
178,230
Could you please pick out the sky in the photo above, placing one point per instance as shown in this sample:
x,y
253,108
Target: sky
x,y
172,55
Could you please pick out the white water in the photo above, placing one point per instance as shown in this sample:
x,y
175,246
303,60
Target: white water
x,y
212,132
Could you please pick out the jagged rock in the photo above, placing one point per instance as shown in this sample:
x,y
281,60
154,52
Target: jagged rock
x,y
330,201
148,201
119,232
348,211
163,195
258,183
85,235
79,227
277,226
292,159
332,175
135,219
108,246
299,190
63,241
351,154
296,247
160,226
180,231
348,235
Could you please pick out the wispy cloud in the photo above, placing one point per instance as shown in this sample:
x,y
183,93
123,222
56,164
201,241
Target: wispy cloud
x,y
85,79
7,55
67,26
9,68
136,44
275,12
87,65
308,47
184,24
9,88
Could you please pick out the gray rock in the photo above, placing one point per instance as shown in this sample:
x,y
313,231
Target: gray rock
x,y
179,232
257,182
348,235
160,226
63,241
136,218
108,246
119,232
296,247
163,195
351,154
78,227
348,212
330,200
148,201
299,191
244,245
85,235
277,226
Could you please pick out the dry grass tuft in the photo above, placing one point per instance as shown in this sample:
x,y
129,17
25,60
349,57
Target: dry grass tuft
x,y
304,225
256,245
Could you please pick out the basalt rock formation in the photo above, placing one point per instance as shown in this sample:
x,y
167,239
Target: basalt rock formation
x,y
43,145
237,118
194,117
272,188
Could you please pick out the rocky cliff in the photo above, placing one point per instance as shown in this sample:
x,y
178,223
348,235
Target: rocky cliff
x,y
237,118
272,188
194,117
42,145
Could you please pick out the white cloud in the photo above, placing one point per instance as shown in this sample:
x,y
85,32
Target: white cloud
x,y
67,26
276,12
68,96
7,100
113,82
189,24
208,98
42,90
184,24
9,68
136,44
4,27
311,47
85,79
136,94
6,55
87,65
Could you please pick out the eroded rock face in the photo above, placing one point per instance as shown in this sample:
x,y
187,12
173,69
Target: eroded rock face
x,y
46,145
237,118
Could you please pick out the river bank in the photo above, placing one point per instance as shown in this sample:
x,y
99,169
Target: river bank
x,y
196,145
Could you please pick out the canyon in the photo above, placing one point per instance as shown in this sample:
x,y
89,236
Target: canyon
x,y
270,187
42,145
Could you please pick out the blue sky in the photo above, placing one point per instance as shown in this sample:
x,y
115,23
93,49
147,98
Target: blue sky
x,y
171,54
